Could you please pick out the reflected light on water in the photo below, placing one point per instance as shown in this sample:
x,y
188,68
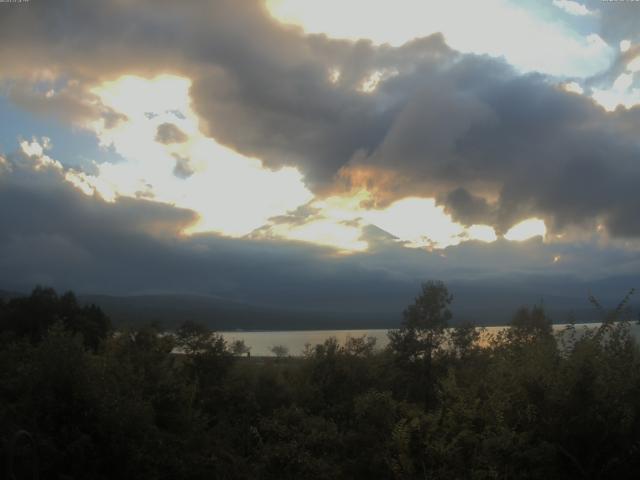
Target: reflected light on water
x,y
261,342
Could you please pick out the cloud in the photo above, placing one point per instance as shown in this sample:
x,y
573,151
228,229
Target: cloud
x,y
517,143
467,208
291,113
573,8
56,235
443,122
197,173
519,32
183,168
168,133
68,103
619,20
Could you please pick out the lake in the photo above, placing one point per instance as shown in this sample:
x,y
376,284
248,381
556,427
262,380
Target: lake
x,y
295,340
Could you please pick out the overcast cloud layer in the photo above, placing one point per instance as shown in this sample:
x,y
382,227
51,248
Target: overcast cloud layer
x,y
492,143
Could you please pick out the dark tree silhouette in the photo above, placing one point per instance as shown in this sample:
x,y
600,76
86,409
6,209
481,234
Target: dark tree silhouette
x,y
422,333
31,317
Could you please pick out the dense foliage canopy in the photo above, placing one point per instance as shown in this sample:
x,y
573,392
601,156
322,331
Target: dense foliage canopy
x,y
438,403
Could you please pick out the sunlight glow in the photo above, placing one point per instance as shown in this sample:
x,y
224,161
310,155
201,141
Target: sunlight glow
x,y
532,227
235,195
514,28
621,93
232,194
573,87
35,150
419,222
370,84
339,221
327,232
482,233
334,75
343,208
134,95
422,224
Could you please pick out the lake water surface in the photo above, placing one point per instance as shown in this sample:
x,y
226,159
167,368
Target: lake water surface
x,y
295,340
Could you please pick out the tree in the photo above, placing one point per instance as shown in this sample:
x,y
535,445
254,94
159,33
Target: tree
x,y
31,317
239,348
193,337
422,333
207,361
360,346
531,324
464,339
424,323
280,351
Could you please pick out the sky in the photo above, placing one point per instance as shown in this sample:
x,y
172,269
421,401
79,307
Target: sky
x,y
328,154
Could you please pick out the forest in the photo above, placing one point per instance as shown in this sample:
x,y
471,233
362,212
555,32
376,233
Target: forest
x,y
82,400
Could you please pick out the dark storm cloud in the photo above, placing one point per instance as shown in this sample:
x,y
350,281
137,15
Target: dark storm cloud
x,y
468,209
442,122
261,88
519,143
55,235
290,112
40,201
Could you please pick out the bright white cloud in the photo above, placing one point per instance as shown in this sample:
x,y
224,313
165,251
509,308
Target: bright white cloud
x,y
35,147
530,228
370,83
526,39
232,194
621,93
573,87
625,45
422,224
419,222
36,150
340,220
334,75
235,195
573,8
483,233
345,237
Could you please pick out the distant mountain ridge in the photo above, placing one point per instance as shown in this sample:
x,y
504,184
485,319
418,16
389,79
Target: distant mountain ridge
x,y
482,306
222,314
7,294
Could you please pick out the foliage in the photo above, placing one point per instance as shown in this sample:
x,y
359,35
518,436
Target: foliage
x,y
279,351
438,403
416,344
31,317
239,348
